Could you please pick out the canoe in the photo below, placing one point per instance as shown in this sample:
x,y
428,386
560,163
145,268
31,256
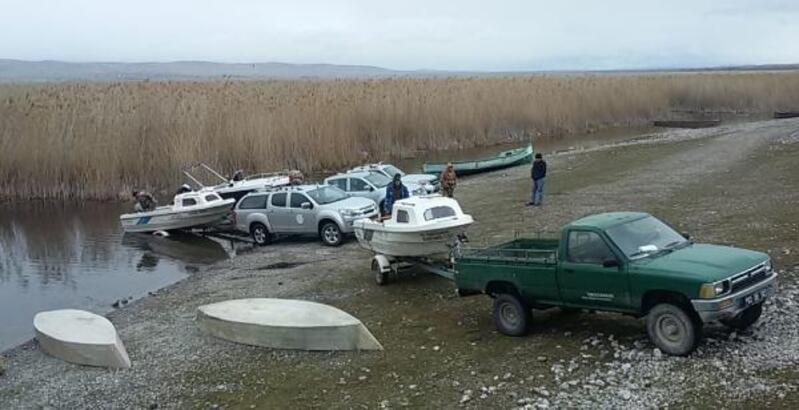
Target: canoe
x,y
786,114
504,159
81,337
285,324
687,123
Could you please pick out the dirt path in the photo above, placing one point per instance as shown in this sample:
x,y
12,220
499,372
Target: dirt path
x,y
735,184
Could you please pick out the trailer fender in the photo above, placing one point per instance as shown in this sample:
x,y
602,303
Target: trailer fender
x,y
383,262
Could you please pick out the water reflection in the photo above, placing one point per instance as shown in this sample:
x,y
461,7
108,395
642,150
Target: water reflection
x,y
60,255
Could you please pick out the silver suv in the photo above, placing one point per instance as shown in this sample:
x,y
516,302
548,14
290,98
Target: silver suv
x,y
305,209
368,184
429,182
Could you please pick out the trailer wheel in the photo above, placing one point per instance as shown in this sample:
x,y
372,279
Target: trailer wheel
x,y
512,316
381,278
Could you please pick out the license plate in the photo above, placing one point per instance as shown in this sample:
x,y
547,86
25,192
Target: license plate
x,y
757,297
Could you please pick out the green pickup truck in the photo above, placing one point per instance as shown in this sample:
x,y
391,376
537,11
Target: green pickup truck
x,y
626,262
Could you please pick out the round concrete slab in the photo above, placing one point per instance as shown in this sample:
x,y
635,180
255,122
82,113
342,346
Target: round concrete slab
x,y
285,324
81,337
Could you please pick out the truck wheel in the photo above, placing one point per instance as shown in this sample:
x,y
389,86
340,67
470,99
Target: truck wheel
x,y
381,278
330,234
672,329
260,234
511,316
746,318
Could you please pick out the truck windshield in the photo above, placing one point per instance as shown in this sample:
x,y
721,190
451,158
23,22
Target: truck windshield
x,y
378,180
391,170
644,236
327,195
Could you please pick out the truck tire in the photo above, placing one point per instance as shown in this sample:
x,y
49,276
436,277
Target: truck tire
x,y
260,235
330,234
512,317
746,318
381,278
672,329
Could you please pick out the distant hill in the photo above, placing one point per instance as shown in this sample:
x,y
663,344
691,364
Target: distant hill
x,y
16,70
20,71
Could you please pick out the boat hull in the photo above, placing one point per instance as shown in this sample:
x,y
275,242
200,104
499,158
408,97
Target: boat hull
x,y
434,243
166,220
687,123
285,324
80,337
786,114
506,159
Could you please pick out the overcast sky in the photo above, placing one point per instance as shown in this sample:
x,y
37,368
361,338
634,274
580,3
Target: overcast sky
x,y
408,34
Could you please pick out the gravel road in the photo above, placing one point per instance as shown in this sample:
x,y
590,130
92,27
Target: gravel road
x,y
734,184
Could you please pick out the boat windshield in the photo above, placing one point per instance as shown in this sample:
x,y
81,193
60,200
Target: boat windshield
x,y
327,195
644,237
377,179
392,170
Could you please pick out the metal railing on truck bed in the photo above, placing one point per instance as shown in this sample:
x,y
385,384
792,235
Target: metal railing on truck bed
x,y
526,250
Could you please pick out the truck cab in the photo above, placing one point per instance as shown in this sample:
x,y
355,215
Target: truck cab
x,y
626,262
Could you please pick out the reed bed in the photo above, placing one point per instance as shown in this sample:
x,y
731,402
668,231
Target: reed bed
x,y
100,140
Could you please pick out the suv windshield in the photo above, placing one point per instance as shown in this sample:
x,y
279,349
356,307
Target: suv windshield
x,y
377,179
644,236
327,195
392,170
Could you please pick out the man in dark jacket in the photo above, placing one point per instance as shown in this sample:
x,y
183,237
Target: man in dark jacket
x,y
395,191
538,172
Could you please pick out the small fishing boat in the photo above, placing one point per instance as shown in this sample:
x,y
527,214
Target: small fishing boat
x,y
421,226
81,337
504,159
686,123
188,210
285,324
786,114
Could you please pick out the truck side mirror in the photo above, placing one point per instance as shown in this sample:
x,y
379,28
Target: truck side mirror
x,y
610,263
686,235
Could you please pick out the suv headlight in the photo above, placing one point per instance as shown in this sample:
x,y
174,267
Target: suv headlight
x,y
769,266
714,290
348,213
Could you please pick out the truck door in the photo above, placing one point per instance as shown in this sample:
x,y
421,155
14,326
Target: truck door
x,y
304,219
590,274
278,214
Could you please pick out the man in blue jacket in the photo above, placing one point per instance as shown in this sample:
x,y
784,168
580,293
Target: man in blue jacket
x,y
394,192
538,172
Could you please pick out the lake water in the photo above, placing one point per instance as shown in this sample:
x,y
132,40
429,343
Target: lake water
x,y
56,255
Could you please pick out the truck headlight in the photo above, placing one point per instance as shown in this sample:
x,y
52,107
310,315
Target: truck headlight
x,y
714,290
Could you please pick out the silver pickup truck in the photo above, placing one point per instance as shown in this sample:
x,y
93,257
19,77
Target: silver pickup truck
x,y
321,210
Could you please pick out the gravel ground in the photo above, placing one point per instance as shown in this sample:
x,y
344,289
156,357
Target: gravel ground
x,y
734,184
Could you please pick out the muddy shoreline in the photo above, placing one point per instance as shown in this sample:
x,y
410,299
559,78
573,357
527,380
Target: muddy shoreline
x,y
733,184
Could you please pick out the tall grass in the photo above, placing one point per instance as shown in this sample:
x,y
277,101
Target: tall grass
x,y
99,140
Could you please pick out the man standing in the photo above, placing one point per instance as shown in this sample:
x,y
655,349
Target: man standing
x,y
448,180
394,192
538,173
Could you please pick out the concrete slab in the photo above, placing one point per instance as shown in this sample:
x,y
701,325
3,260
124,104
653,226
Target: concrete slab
x,y
81,337
285,324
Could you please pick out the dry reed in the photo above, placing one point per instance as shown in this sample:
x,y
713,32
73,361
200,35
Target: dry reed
x,y
98,140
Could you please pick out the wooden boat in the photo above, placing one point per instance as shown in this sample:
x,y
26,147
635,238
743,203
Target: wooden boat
x,y
786,114
687,123
285,324
80,337
504,159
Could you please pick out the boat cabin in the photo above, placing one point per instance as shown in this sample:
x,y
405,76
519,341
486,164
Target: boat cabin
x,y
195,198
424,210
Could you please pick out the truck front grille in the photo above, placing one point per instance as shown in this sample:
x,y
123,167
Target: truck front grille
x,y
749,277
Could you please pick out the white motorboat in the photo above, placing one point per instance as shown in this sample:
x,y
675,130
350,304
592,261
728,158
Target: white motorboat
x,y
188,210
422,226
239,186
